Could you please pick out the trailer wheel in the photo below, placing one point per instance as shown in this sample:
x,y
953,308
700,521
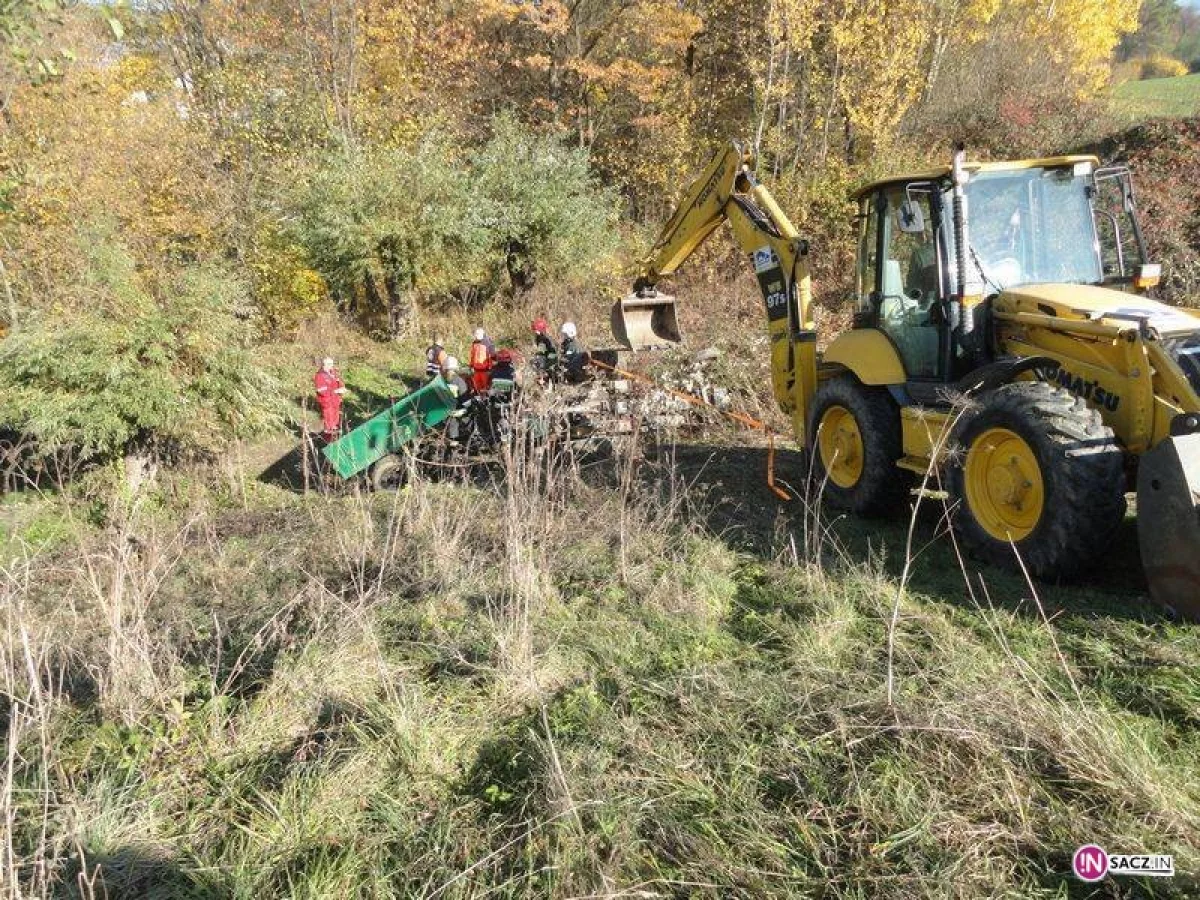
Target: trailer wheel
x,y
1035,469
390,473
855,437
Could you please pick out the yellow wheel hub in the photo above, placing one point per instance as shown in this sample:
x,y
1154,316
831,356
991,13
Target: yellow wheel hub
x,y
841,446
1004,487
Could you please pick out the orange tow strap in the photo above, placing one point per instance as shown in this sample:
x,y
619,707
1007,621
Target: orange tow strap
x,y
740,418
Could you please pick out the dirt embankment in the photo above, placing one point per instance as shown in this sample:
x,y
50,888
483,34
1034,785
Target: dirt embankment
x,y
1165,158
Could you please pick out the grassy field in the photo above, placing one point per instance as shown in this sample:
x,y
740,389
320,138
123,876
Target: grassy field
x,y
1158,98
632,674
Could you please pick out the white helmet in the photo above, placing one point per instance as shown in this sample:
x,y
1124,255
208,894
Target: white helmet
x,y
451,364
568,329
479,334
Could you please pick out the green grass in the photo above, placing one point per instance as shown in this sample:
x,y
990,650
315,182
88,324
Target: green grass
x,y
1156,98
570,689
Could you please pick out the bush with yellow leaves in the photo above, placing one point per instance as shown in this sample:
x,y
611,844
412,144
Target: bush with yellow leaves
x,y
1161,66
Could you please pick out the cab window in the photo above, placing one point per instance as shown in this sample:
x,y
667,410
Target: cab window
x,y
911,266
908,279
868,242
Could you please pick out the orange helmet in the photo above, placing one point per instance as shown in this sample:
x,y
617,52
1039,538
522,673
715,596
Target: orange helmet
x,y
504,356
540,326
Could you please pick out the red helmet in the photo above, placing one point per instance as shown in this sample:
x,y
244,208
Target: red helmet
x,y
504,356
540,326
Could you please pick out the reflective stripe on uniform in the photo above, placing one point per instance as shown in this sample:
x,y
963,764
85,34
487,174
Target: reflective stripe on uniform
x,y
434,357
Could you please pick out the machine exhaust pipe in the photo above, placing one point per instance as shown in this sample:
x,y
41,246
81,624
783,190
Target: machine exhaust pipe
x,y
963,322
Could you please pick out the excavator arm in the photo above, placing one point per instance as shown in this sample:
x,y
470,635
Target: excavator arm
x,y
727,191
699,214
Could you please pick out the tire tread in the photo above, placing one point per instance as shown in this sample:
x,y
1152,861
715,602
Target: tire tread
x,y
1082,472
883,485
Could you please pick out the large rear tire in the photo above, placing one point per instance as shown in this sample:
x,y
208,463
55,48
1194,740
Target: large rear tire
x,y
856,442
1034,468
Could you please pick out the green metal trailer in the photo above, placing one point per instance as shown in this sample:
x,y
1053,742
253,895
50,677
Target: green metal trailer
x,y
392,429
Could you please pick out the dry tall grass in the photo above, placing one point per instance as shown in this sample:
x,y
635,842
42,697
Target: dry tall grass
x,y
554,680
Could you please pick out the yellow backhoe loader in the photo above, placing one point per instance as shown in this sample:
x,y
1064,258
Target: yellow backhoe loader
x,y
1002,342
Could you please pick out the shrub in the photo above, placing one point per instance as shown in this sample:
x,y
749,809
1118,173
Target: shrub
x,y
1128,70
1166,168
382,226
547,216
1161,66
143,370
287,291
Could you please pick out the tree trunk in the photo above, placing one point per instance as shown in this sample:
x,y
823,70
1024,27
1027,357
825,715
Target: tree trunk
x,y
399,283
375,298
399,309
765,105
833,97
9,297
520,270
400,290
851,141
141,469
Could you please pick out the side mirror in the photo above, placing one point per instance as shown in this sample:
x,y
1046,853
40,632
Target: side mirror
x,y
1148,275
910,217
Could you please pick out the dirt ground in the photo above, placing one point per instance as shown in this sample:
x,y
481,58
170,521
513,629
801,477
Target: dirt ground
x,y
725,472
736,504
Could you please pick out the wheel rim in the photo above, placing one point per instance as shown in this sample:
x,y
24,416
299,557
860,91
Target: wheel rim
x,y
391,478
1005,491
841,446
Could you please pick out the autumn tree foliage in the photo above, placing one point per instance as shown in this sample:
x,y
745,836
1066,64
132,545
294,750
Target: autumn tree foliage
x,y
128,322
210,110
368,157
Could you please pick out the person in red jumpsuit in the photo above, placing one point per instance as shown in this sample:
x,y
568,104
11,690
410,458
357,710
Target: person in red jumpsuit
x,y
483,354
330,389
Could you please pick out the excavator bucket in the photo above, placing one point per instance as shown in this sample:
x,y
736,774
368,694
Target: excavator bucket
x,y
1168,512
645,323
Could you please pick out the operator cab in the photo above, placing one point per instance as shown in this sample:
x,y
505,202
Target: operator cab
x,y
1062,220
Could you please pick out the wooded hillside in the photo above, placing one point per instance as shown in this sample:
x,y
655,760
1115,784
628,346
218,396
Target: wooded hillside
x,y
222,172
580,663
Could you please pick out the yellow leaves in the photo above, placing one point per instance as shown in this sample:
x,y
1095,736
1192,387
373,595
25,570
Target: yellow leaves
x,y
550,17
975,15
793,21
1081,34
389,25
419,63
663,25
286,288
641,81
136,72
90,153
880,68
1158,65
45,206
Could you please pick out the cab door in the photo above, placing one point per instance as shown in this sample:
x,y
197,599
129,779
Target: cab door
x,y
899,275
